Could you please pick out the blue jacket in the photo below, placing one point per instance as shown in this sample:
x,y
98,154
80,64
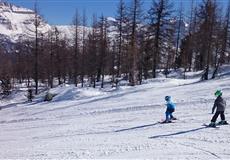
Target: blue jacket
x,y
170,105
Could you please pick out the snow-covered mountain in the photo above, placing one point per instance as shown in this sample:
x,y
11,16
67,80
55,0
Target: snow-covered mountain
x,y
67,32
18,23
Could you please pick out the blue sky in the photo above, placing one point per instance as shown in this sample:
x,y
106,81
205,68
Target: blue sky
x,y
62,11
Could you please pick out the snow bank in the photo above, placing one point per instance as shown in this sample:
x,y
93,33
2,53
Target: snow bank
x,y
70,92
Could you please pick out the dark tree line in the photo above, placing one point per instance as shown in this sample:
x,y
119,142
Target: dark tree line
x,y
137,46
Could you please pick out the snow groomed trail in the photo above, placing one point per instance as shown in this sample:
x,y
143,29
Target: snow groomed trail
x,y
122,123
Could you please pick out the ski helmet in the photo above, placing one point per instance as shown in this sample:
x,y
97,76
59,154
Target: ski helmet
x,y
218,93
167,98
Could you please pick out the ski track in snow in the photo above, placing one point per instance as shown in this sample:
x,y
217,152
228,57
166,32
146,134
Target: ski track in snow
x,y
216,156
120,124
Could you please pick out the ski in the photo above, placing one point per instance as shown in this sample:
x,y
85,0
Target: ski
x,y
222,124
164,122
171,121
216,126
208,126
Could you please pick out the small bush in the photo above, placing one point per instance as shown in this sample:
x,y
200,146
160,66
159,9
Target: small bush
x,y
49,96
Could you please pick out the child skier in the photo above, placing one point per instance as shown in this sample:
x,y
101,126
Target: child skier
x,y
219,105
169,110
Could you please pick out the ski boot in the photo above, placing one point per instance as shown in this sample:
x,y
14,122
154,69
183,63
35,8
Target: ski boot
x,y
166,121
223,122
212,124
173,118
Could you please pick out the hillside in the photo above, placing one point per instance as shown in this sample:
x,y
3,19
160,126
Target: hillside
x,y
117,123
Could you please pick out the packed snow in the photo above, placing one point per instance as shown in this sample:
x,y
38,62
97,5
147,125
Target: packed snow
x,y
119,123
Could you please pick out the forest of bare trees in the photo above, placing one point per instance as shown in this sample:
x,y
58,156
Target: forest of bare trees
x,y
141,44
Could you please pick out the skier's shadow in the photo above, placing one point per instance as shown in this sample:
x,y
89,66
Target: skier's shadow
x,y
133,128
177,133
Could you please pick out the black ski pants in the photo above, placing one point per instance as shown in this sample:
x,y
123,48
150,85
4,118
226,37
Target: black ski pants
x,y
221,113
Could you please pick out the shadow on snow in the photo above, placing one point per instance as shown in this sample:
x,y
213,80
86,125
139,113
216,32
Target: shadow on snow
x,y
177,133
133,128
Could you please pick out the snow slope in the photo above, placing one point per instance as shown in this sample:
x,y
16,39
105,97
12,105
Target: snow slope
x,y
121,123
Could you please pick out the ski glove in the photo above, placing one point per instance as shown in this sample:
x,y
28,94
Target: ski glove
x,y
213,111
